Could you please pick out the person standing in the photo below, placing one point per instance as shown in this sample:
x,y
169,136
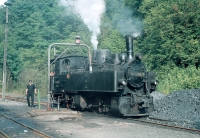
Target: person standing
x,y
30,90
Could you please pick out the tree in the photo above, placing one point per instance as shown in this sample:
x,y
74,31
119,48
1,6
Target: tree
x,y
33,26
171,33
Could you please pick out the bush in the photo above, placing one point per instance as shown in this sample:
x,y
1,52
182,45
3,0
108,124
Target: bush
x,y
39,78
178,79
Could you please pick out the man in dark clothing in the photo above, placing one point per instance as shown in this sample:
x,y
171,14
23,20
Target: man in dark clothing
x,y
30,93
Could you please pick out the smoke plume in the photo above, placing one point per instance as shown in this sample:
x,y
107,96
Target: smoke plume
x,y
90,11
123,19
128,24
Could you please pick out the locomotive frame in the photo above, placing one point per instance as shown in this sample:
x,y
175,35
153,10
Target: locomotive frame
x,y
114,83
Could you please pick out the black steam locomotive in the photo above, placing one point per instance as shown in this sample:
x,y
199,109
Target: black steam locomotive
x,y
114,83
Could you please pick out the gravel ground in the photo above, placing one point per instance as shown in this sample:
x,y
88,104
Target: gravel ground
x,y
182,106
68,124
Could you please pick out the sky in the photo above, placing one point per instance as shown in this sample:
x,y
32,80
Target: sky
x,y
2,2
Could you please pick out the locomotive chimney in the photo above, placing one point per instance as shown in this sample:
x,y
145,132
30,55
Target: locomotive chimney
x,y
129,47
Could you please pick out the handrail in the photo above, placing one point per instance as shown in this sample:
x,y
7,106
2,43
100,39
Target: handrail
x,y
49,64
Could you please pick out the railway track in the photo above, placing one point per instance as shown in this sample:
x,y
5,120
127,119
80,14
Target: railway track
x,y
13,128
163,122
149,120
21,99
3,135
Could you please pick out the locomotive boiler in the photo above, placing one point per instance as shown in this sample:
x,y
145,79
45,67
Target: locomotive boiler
x,y
108,83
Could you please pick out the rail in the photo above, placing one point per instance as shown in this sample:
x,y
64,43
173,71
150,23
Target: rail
x,y
166,125
145,120
35,132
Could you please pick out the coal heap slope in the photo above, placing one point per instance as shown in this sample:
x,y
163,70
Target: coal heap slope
x,y
182,107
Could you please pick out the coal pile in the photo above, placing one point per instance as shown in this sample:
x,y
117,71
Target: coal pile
x,y
181,107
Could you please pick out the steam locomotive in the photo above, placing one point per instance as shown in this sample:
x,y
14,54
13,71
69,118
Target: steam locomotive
x,y
117,83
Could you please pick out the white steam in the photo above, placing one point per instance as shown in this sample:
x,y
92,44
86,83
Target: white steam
x,y
2,2
90,11
124,20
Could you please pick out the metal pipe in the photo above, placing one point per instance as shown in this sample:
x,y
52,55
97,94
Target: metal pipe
x,y
59,55
5,58
58,103
38,95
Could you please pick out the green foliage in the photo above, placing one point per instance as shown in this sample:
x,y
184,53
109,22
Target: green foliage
x,y
111,38
114,42
169,41
179,78
33,26
38,76
171,33
135,5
